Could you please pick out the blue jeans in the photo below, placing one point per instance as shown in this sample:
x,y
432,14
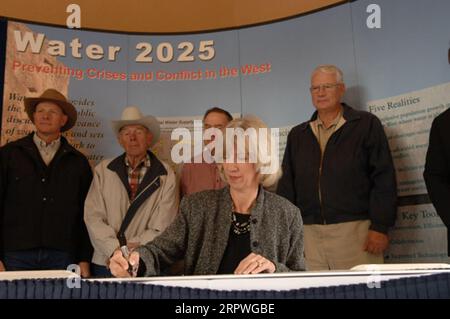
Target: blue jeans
x,y
37,259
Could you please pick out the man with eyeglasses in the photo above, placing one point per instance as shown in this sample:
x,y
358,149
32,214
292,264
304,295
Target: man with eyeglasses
x,y
134,197
202,173
338,170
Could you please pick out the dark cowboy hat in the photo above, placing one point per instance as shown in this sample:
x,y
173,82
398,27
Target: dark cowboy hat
x,y
56,97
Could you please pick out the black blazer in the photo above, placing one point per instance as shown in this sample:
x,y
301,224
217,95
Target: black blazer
x,y
437,168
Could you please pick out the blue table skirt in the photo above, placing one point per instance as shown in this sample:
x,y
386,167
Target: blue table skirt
x,y
432,286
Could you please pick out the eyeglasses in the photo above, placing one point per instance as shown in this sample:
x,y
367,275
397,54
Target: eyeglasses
x,y
328,86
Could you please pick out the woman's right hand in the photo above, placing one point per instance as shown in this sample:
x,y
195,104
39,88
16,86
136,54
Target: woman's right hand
x,y
2,267
119,266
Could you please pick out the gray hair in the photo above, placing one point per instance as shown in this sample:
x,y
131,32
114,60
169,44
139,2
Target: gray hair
x,y
268,181
330,69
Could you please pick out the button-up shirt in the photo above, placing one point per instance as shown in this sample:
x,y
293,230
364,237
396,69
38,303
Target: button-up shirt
x,y
135,175
47,150
197,177
323,133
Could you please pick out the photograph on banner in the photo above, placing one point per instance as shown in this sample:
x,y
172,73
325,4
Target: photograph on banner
x,y
36,61
101,73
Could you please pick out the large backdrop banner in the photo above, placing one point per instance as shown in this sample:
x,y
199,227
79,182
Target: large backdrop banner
x,y
397,68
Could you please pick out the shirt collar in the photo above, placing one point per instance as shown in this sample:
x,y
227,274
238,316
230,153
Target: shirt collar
x,y
334,123
145,160
40,143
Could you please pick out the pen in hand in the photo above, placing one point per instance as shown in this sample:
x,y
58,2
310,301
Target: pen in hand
x,y
126,254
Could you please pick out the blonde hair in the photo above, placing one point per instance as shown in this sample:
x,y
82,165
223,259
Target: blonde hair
x,y
330,69
269,180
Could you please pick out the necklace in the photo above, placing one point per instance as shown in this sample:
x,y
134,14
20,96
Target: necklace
x,y
240,228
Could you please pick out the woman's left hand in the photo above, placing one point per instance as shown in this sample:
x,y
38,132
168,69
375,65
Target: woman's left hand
x,y
254,264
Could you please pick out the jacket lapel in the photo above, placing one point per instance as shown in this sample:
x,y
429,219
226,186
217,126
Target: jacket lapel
x,y
150,183
117,165
31,149
221,234
156,169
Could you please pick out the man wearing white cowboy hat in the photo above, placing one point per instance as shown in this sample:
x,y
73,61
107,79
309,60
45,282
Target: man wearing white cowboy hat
x,y
133,197
43,184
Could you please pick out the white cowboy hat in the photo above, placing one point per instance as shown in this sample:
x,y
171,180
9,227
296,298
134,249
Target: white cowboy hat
x,y
131,115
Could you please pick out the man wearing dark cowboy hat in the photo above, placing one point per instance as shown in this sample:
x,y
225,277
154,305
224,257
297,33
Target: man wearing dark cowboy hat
x,y
43,184
133,197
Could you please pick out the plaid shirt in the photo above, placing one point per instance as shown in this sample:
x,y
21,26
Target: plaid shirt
x,y
136,175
